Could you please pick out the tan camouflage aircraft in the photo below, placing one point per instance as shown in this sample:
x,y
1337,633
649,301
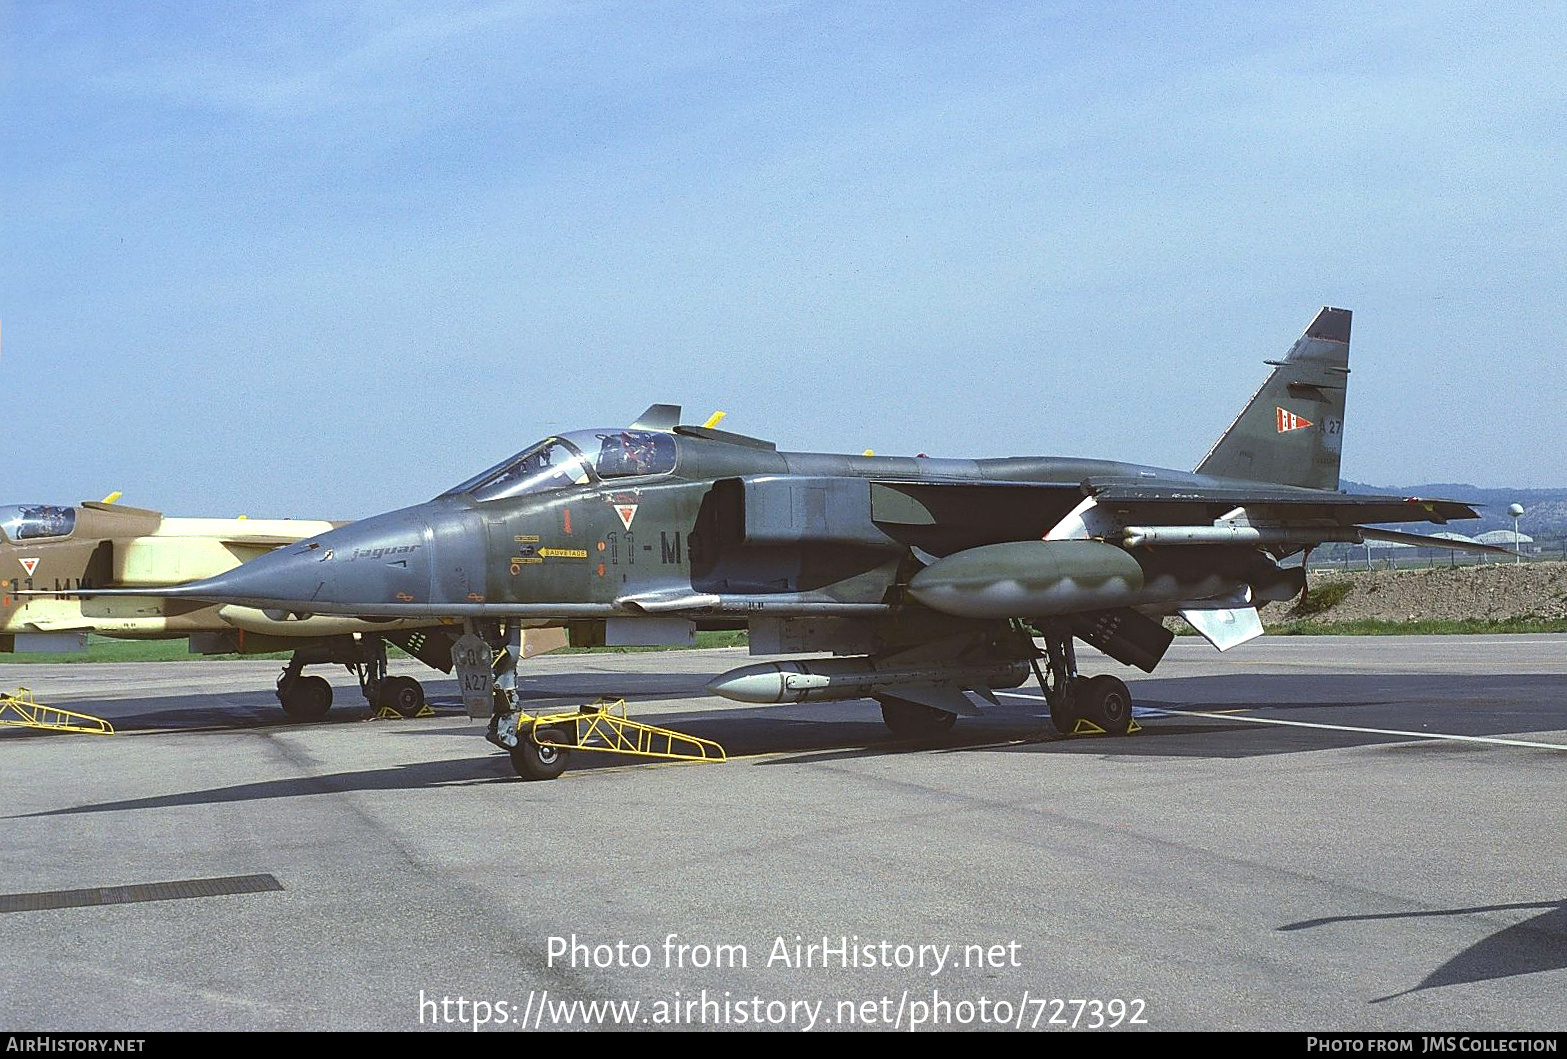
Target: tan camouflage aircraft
x,y
101,544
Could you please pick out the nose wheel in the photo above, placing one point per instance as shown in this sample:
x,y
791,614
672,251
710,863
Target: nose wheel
x,y
541,755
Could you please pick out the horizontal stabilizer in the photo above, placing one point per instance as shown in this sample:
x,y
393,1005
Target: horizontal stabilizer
x,y
1421,540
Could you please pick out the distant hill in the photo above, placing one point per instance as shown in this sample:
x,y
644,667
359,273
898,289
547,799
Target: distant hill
x,y
1544,517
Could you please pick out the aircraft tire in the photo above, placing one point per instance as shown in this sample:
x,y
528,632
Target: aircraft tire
x,y
1106,702
307,699
403,694
914,720
541,756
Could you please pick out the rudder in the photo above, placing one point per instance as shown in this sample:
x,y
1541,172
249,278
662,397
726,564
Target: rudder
x,y
1291,432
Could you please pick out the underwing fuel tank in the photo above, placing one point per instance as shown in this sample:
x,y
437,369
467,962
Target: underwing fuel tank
x,y
833,679
1032,579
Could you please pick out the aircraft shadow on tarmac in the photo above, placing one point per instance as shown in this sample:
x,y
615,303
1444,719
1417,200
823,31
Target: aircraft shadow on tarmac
x,y
843,731
260,709
1472,705
426,774
1465,705
1537,944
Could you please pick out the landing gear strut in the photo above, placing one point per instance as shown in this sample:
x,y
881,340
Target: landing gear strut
x,y
1104,702
537,752
308,698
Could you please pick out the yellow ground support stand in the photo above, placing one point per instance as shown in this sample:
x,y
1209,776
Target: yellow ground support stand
x,y
19,710
603,725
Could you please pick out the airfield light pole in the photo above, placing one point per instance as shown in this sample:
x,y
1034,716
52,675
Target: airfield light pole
x,y
1515,510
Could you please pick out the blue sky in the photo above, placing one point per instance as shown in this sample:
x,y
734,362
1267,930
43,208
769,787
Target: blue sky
x,y
327,259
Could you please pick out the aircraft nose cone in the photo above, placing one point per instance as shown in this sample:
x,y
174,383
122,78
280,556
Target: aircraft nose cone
x,y
381,561
285,580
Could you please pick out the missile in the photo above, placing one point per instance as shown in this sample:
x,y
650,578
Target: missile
x,y
831,679
1136,536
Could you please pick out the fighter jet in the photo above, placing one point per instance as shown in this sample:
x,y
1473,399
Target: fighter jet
x,y
70,551
929,578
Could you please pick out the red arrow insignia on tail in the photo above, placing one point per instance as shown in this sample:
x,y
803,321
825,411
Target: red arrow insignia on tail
x,y
1290,421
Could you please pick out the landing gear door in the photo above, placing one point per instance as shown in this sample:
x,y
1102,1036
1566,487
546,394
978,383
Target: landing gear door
x,y
473,660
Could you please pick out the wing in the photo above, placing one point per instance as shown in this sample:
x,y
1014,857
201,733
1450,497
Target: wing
x,y
1209,550
1283,519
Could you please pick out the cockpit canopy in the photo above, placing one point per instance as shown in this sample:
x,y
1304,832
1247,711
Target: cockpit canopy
x,y
571,459
25,522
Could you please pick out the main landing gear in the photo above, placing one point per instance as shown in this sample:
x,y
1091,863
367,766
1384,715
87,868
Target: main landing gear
x,y
1080,705
308,698
303,698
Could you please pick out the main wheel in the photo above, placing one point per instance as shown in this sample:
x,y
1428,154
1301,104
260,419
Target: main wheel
x,y
1105,701
307,698
915,720
540,755
403,694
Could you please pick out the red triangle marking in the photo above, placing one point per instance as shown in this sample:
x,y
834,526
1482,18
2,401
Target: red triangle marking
x,y
1288,420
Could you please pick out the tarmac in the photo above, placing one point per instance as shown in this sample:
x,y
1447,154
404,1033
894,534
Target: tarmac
x,y
1308,833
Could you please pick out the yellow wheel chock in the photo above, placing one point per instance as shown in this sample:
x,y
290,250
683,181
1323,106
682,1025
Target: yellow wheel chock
x,y
19,710
386,713
1087,727
602,725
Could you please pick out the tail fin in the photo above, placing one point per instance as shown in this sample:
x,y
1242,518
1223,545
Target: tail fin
x,y
1292,430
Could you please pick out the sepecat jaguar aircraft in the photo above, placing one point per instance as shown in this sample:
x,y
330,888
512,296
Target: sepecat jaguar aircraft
x,y
927,578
